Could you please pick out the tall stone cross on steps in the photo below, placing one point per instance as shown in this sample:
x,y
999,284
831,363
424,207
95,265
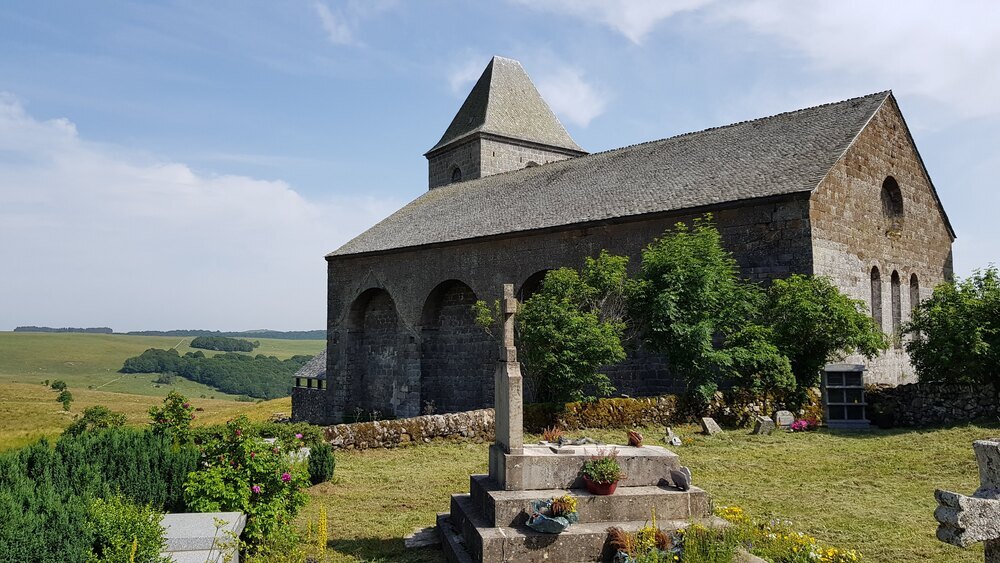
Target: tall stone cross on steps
x,y
968,520
508,401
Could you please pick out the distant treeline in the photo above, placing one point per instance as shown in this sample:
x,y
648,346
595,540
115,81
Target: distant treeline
x,y
278,334
260,376
92,330
224,344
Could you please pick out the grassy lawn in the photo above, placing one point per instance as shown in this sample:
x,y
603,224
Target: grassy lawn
x,y
92,361
869,491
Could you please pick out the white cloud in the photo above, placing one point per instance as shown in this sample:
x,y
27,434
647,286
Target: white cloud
x,y
570,96
464,74
338,31
95,235
634,19
947,54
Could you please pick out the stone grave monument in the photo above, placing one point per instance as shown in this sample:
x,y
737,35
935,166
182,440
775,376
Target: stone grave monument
x,y
488,524
967,520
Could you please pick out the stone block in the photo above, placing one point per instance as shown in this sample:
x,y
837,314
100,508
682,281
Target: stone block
x,y
540,467
194,536
710,427
763,425
784,419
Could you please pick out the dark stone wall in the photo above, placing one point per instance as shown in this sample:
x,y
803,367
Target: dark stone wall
x,y
769,239
930,404
457,357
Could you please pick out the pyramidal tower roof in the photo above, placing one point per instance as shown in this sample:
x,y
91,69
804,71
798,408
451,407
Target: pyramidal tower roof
x,y
504,102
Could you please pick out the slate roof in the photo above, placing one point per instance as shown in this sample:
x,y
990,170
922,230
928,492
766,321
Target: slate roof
x,y
314,368
778,155
504,102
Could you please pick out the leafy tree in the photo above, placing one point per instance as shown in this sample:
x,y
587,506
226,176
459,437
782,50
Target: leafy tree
x,y
691,301
95,418
65,397
173,418
573,326
224,344
813,323
58,385
956,332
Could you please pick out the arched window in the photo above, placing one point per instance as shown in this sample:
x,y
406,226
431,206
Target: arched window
x,y
892,206
877,296
897,307
531,164
914,293
456,175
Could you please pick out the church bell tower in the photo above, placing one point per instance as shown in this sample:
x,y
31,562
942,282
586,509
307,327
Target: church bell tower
x,y
503,125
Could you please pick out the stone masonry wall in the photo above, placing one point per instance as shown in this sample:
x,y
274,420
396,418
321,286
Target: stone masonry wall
x,y
475,425
504,156
485,155
768,238
927,404
466,156
851,232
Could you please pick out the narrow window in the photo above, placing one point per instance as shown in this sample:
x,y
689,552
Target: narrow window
x,y
914,293
877,296
456,175
897,308
892,207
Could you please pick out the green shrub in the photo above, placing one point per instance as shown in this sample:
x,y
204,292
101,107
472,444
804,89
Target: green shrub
x,y
173,418
321,463
58,385
124,532
244,473
95,418
65,397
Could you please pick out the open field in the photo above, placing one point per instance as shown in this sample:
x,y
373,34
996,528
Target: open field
x,y
30,411
92,360
870,491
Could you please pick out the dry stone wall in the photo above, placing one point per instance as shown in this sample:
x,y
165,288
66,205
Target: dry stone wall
x,y
475,425
927,404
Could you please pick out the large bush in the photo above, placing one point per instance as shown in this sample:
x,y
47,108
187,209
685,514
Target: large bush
x,y
572,327
321,463
125,532
95,418
955,334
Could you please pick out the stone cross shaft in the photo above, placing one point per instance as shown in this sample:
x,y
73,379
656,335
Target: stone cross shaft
x,y
965,520
508,400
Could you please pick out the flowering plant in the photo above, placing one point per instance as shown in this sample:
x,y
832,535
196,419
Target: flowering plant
x,y
603,468
554,515
804,424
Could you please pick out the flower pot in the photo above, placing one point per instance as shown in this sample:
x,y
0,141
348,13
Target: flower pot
x,y
596,488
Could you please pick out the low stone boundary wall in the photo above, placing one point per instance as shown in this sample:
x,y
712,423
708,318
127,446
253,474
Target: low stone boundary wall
x,y
471,425
927,404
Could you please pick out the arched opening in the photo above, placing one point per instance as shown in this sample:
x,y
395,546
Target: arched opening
x,y
373,337
897,307
914,293
531,285
457,356
892,206
877,297
531,164
456,174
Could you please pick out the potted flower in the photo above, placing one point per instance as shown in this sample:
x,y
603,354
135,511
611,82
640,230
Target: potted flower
x,y
554,515
602,472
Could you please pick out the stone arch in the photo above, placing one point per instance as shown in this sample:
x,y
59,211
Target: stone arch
x,y
892,206
531,285
897,305
457,356
914,293
456,174
373,338
877,296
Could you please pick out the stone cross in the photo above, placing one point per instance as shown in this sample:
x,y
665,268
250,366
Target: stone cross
x,y
508,401
968,520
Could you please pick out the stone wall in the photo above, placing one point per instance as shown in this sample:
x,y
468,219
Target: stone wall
x,y
855,229
928,404
475,425
485,155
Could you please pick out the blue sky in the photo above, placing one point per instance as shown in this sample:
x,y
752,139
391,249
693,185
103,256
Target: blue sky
x,y
188,164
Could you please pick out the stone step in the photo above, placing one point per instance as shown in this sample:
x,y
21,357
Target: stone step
x,y
580,542
551,467
511,508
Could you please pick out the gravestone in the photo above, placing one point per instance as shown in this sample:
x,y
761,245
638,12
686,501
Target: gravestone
x,y
203,536
710,427
763,425
784,419
965,520
671,438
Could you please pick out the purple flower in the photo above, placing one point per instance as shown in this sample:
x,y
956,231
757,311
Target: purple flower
x,y
286,477
255,488
187,405
298,436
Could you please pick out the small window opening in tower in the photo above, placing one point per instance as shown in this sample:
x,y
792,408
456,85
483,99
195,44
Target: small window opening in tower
x,y
892,207
530,164
456,175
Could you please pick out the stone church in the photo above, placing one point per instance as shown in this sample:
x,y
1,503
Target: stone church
x,y
836,190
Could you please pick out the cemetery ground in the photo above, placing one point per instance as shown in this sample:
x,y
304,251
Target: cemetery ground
x,y
871,491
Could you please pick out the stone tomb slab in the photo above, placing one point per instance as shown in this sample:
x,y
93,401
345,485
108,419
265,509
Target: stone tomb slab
x,y
547,467
194,537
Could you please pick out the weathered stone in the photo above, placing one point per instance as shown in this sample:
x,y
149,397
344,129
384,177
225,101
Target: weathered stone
x,y
763,425
681,478
422,537
710,427
196,537
784,419
967,520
